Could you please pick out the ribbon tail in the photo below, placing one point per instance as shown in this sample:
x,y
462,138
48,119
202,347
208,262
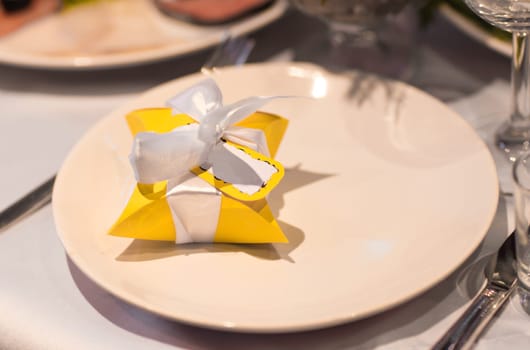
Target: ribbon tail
x,y
235,166
198,100
241,109
254,139
223,117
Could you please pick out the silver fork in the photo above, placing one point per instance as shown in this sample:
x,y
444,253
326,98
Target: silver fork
x,y
232,51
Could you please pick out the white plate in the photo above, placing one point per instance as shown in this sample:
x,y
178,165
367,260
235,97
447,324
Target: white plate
x,y
117,33
386,192
475,31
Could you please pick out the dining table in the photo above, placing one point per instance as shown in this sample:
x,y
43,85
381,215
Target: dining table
x,y
47,302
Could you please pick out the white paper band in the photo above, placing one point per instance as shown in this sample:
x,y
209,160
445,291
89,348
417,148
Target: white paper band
x,y
195,207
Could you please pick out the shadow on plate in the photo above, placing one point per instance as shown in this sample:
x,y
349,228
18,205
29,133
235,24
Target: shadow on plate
x,y
294,178
405,126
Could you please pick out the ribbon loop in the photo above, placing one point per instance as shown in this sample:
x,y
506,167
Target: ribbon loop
x,y
158,157
169,156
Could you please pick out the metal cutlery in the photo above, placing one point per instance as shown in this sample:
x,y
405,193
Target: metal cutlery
x,y
232,51
465,332
27,205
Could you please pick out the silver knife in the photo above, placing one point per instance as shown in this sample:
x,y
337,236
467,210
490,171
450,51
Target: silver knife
x,y
27,205
464,333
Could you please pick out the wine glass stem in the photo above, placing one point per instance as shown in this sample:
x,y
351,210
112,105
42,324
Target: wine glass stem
x,y
520,116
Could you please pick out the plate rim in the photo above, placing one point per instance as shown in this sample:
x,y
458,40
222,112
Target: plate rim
x,y
240,27
304,326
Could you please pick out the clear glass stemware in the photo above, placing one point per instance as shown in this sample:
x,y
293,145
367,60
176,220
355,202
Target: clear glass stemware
x,y
361,35
513,137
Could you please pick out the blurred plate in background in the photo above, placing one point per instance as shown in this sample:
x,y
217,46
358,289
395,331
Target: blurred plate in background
x,y
118,33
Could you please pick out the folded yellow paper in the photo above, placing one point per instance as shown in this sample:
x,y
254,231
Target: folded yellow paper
x,y
201,207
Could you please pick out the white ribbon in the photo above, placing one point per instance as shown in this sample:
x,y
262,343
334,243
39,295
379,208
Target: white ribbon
x,y
195,205
157,157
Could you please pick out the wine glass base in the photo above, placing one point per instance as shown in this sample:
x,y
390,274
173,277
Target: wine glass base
x,y
512,141
390,53
524,298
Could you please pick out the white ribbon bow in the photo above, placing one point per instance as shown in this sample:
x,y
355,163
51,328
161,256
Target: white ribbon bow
x,y
163,156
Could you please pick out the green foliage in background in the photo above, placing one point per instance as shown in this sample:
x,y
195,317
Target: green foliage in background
x,y
69,3
427,12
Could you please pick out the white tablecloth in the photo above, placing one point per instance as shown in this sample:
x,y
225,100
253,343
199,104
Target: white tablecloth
x,y
47,303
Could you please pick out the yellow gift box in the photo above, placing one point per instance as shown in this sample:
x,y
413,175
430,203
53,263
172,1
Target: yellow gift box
x,y
242,218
